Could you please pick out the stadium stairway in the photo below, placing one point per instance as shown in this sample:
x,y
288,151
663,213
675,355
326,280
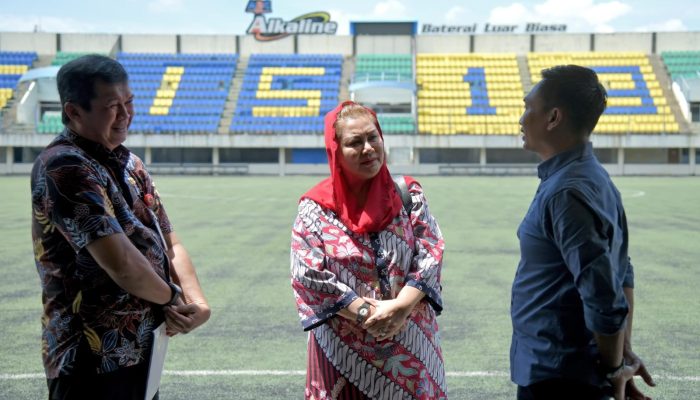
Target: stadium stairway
x,y
524,69
43,60
657,64
9,112
345,78
232,99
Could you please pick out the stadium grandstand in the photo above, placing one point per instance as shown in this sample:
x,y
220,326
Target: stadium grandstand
x,y
448,104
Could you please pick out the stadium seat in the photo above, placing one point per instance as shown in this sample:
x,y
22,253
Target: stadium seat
x,y
382,67
473,94
397,124
13,64
50,123
636,103
283,93
64,57
178,93
682,64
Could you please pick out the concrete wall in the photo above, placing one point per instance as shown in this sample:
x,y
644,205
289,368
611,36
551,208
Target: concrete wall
x,y
416,170
249,45
646,156
383,94
366,44
208,44
502,44
666,41
47,43
557,43
638,159
442,44
42,43
692,88
15,139
632,41
26,112
97,43
149,44
324,44
47,90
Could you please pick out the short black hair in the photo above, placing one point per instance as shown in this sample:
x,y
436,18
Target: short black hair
x,y
76,79
578,91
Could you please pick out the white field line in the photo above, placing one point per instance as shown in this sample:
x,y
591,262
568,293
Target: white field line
x,y
219,198
631,195
626,195
190,196
244,372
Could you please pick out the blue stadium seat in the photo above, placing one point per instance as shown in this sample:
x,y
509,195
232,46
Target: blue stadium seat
x,y
183,93
281,91
12,65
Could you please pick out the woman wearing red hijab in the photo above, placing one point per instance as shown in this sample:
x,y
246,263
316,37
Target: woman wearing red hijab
x,y
366,274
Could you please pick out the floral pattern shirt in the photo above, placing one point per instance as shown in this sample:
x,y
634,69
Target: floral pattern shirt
x,y
332,266
82,192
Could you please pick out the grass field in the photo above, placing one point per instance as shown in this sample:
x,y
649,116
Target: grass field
x,y
237,230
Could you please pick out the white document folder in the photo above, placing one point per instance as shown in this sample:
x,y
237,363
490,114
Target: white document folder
x,y
155,368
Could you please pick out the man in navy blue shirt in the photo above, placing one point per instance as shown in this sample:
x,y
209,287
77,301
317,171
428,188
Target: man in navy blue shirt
x,y
572,296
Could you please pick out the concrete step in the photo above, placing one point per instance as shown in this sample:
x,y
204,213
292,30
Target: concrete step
x,y
665,82
525,77
9,112
232,97
348,70
43,60
21,129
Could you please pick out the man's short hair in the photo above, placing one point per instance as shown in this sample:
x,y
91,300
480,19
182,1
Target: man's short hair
x,y
578,91
76,80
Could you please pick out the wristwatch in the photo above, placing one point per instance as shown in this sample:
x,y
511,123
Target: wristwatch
x,y
176,292
613,372
363,312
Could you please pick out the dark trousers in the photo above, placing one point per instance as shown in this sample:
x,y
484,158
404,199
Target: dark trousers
x,y
562,389
123,384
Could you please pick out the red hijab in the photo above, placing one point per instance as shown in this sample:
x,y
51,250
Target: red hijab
x,y
382,204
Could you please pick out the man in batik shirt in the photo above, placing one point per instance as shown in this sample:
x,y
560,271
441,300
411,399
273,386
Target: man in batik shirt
x,y
111,267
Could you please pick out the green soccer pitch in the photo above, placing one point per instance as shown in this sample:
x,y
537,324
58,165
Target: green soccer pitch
x,y
237,230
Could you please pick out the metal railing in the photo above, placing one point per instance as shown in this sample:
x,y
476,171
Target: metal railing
x,y
381,77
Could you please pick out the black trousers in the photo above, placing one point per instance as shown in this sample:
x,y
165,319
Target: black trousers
x,y
563,389
123,384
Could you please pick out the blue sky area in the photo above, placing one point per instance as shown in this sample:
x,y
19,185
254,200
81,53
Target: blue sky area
x,y
229,17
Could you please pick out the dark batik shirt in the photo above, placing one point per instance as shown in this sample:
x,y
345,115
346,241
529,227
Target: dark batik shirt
x,y
573,267
82,192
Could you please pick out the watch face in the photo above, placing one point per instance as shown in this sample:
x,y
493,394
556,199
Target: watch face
x,y
363,312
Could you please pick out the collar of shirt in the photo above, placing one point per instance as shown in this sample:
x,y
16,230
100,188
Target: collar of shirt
x,y
119,157
115,160
547,168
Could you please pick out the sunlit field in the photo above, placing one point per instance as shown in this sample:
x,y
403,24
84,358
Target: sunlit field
x,y
237,230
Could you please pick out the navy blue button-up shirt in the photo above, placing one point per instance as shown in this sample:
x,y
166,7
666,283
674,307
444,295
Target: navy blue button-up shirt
x,y
573,267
